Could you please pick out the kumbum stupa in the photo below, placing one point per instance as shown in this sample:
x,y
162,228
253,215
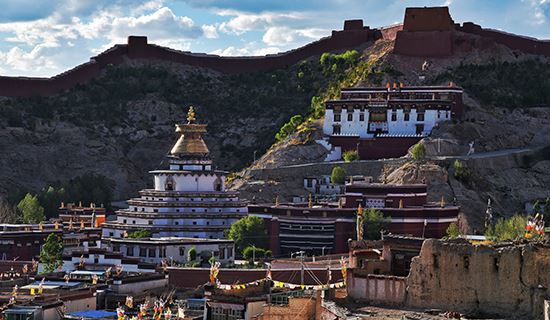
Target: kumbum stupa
x,y
189,198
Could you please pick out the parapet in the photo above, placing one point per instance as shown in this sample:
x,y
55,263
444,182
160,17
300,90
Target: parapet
x,y
353,24
428,19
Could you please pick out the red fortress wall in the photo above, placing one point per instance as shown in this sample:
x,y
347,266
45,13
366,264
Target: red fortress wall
x,y
353,35
431,32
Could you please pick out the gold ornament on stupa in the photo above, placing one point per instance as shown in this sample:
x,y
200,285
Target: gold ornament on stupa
x,y
277,203
190,143
310,201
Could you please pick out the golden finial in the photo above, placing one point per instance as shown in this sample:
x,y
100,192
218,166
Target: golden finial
x,y
56,225
71,224
277,203
62,205
442,201
359,210
80,204
400,203
41,226
191,115
81,224
310,201
340,203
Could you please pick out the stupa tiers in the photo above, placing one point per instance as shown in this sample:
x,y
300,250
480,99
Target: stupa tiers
x,y
189,197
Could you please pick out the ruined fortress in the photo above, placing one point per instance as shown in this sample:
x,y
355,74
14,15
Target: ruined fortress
x,y
425,32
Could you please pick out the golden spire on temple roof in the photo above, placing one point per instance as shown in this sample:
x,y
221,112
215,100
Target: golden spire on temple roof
x,y
191,115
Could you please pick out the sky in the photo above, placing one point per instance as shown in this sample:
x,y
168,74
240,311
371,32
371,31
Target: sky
x,y
46,37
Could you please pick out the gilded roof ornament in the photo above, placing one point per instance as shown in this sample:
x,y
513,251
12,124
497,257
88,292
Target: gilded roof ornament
x,y
191,115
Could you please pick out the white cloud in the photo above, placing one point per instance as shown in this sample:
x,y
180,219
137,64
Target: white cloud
x,y
243,22
232,51
210,31
284,36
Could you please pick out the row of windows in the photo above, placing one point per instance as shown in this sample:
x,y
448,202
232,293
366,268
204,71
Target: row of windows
x,y
189,199
177,223
419,117
179,210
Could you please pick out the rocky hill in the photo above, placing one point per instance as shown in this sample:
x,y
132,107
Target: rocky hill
x,y
121,125
508,108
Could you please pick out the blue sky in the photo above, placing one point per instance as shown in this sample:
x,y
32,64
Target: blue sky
x,y
46,37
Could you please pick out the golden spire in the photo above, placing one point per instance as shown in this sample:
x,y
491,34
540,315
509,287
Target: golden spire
x,y
62,204
191,115
442,201
340,203
277,202
190,142
81,224
359,209
400,203
80,204
56,225
41,226
310,201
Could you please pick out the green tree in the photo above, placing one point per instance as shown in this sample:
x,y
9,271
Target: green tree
x,y
350,156
418,152
139,234
460,171
289,127
192,254
338,175
31,209
51,256
507,229
248,231
374,222
453,231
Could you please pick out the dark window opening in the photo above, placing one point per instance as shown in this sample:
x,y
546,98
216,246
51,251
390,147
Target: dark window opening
x,y
350,116
466,262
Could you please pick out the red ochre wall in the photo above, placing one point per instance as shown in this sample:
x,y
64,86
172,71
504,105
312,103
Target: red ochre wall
x,y
431,32
194,277
375,148
353,35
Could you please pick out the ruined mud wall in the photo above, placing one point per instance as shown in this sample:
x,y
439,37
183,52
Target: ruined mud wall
x,y
480,279
353,35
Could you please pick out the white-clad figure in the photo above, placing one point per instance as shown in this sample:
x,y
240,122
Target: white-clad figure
x,y
471,150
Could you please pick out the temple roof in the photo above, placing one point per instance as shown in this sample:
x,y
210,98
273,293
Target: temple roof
x,y
190,143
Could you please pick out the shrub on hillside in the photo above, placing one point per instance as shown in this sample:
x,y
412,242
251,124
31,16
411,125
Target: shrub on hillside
x,y
507,229
350,156
418,152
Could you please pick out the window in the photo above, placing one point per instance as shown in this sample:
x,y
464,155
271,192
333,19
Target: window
x,y
350,116
394,116
229,252
162,252
155,210
194,223
420,117
182,251
135,208
142,252
309,183
337,117
335,129
124,221
361,117
129,251
142,209
407,116
150,221
222,253
111,234
152,253
116,247
177,223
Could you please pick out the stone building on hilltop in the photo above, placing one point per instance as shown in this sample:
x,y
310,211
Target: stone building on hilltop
x,y
384,122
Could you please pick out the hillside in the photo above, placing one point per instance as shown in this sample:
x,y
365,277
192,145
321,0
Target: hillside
x,y
508,106
121,124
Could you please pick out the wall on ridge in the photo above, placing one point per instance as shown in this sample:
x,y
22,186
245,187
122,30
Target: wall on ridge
x,y
353,35
431,32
